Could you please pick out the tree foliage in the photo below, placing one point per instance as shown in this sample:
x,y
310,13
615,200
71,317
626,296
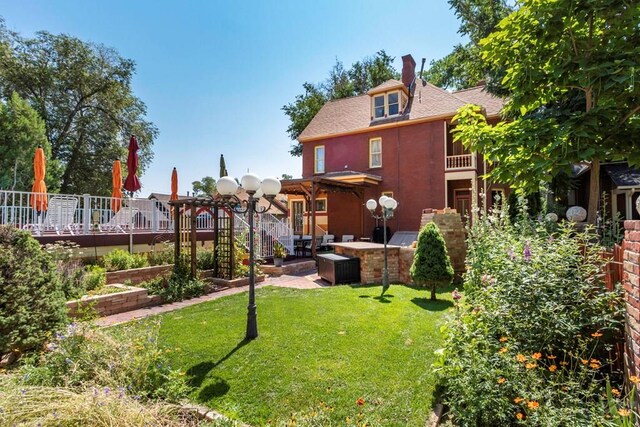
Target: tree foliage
x,y
341,83
21,132
463,67
83,93
431,263
570,70
205,187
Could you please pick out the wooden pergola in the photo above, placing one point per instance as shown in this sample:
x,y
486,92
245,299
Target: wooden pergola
x,y
309,188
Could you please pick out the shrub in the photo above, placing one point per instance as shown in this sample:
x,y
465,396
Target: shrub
x,y
431,264
178,286
533,343
32,303
70,268
162,255
205,259
119,259
95,277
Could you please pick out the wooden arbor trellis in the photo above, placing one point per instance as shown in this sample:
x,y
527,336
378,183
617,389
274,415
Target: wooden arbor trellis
x,y
185,215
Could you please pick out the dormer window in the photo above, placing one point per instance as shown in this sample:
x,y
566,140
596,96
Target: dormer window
x,y
387,104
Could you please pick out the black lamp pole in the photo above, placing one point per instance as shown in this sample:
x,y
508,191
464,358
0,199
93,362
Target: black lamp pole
x,y
386,213
252,321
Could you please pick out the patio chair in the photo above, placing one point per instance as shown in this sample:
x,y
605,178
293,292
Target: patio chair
x,y
121,221
326,239
308,245
347,237
60,216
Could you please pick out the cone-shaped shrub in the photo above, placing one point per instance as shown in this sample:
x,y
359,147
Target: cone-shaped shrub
x,y
431,264
32,303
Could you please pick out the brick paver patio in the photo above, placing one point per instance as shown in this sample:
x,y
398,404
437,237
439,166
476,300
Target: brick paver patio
x,y
303,280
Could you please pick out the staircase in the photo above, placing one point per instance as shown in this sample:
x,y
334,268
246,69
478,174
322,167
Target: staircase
x,y
268,228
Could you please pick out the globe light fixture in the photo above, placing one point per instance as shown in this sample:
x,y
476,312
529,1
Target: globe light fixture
x,y
255,188
388,205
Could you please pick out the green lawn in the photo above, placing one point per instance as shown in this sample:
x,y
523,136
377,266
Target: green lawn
x,y
318,352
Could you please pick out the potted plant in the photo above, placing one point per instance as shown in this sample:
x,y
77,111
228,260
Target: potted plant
x,y
279,253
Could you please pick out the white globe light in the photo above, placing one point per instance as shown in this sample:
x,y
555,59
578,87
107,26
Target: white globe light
x,y
382,199
250,182
258,193
551,217
271,186
372,205
576,214
227,186
390,203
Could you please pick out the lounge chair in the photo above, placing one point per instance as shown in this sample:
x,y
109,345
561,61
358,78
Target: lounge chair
x,y
121,221
60,216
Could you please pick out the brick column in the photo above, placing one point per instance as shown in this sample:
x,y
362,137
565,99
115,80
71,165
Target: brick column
x,y
631,282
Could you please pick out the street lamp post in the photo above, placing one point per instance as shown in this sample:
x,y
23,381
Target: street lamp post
x,y
388,205
255,188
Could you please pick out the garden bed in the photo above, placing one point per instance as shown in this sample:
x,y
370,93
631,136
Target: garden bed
x,y
130,298
137,275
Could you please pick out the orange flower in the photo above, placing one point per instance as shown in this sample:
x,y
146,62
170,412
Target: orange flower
x,y
530,365
624,412
551,357
553,368
596,334
360,401
532,404
519,416
502,380
615,392
594,364
634,379
584,361
517,400
521,358
503,339
537,356
564,363
503,350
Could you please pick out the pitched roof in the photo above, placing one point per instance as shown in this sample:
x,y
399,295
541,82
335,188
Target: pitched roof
x,y
389,84
428,101
479,96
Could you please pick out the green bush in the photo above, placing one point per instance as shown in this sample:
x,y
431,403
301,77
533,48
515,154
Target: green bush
x,y
533,342
162,255
431,264
119,259
69,267
95,277
178,286
205,259
32,303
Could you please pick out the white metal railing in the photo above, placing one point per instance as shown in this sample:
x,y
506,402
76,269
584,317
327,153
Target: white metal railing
x,y
463,161
267,229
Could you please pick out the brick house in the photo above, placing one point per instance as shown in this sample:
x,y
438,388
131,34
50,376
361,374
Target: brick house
x,y
394,140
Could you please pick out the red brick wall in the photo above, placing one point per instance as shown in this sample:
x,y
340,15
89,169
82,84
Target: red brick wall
x,y
412,168
631,282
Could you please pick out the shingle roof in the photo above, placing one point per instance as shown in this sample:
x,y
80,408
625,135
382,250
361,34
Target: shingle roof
x,y
350,114
479,96
389,84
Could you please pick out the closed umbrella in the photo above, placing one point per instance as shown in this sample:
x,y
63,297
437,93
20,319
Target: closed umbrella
x,y
116,183
132,183
174,185
39,198
223,167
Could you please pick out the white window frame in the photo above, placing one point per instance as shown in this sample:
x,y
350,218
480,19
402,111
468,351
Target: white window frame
x,y
384,106
385,98
316,169
388,106
371,153
325,204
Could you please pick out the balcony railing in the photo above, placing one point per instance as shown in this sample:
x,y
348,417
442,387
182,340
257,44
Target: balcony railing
x,y
464,161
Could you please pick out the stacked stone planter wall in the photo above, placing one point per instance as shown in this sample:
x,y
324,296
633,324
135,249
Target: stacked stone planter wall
x,y
104,305
138,275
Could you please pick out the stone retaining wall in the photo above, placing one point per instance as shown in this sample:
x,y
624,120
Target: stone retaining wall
x,y
288,268
138,275
631,283
104,305
450,224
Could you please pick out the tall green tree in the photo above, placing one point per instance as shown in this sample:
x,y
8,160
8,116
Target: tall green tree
x,y
571,70
205,187
464,67
358,80
21,132
83,92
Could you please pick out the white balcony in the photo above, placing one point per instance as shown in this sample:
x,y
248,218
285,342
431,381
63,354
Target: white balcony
x,y
463,161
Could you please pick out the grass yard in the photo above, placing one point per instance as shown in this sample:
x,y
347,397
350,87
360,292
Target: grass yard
x,y
332,356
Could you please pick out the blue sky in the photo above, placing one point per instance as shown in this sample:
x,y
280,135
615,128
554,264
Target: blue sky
x,y
215,74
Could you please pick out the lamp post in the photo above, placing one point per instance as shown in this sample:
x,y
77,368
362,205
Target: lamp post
x,y
388,205
255,188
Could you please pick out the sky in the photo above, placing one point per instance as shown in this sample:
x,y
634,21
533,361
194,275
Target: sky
x,y
214,75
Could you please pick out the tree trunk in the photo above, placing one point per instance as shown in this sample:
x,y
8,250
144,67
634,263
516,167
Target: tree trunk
x,y
433,292
594,192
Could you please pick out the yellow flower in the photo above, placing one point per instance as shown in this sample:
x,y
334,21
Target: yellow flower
x,y
532,404
615,392
521,358
503,350
595,364
537,356
553,368
530,365
596,334
634,379
519,415
564,363
624,412
584,361
502,380
551,357
517,400
503,339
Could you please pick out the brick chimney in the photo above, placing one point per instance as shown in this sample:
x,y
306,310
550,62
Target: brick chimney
x,y
408,70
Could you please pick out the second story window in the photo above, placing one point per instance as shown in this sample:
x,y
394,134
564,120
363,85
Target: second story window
x,y
387,105
393,103
318,165
375,152
378,106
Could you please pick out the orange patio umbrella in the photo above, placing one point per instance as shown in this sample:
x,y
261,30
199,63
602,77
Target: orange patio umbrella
x,y
174,185
116,184
39,199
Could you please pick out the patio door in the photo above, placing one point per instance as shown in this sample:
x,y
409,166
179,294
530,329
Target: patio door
x,y
462,202
297,216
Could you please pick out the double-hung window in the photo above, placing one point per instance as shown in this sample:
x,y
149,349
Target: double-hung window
x,y
318,164
386,105
378,106
393,103
375,152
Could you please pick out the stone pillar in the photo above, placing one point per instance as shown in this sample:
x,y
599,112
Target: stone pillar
x,y
450,224
631,282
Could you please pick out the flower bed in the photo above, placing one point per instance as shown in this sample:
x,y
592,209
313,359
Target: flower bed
x,y
130,298
137,275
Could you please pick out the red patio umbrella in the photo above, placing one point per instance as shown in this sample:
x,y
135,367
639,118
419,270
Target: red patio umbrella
x,y
116,184
39,199
132,183
174,185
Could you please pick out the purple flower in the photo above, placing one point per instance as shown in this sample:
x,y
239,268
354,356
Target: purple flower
x,y
95,392
106,391
121,394
23,391
527,252
51,346
456,295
